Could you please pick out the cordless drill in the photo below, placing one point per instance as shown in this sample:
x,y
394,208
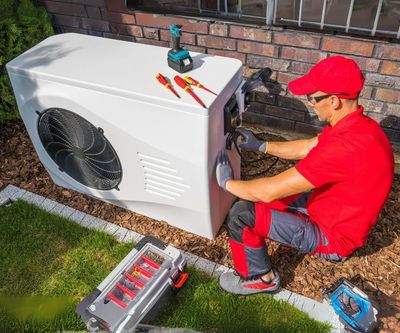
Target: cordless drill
x,y
178,58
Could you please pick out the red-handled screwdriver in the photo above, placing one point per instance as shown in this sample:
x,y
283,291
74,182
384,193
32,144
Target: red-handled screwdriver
x,y
193,82
181,83
166,84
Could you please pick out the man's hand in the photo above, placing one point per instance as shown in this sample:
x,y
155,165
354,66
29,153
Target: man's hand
x,y
223,170
250,142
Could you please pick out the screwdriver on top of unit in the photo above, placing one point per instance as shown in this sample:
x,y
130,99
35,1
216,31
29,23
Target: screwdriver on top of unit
x,y
181,83
193,82
166,84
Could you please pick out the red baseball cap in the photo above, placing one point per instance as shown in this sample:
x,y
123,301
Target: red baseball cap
x,y
335,75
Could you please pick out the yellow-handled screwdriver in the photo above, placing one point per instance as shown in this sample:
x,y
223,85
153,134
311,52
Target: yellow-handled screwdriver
x,y
193,82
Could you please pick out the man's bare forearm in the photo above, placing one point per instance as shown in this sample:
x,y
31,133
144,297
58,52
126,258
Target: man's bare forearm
x,y
292,150
268,189
250,190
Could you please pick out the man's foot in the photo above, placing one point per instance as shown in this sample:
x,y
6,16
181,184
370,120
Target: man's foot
x,y
234,284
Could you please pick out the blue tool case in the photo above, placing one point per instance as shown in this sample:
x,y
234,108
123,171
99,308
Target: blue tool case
x,y
355,309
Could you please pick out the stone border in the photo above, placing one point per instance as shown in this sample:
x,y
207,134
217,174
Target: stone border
x,y
320,311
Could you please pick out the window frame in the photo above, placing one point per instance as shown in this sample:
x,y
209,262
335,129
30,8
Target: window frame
x,y
270,18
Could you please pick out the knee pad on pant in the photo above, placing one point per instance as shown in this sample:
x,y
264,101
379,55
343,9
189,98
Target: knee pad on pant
x,y
242,214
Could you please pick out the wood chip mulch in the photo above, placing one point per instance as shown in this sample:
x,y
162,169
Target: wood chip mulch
x,y
375,268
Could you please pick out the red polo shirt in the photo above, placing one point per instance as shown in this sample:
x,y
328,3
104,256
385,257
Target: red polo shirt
x,y
352,170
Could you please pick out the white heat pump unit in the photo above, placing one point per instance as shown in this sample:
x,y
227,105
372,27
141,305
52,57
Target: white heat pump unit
x,y
104,126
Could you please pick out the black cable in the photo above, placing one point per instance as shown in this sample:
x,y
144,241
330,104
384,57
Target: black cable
x,y
232,137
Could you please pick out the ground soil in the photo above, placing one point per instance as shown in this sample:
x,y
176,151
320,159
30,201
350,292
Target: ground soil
x,y
375,268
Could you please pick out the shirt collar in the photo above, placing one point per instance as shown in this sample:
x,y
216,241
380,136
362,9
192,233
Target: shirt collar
x,y
348,120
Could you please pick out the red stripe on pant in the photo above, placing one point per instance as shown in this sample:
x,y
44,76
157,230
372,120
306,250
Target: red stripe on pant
x,y
239,258
251,238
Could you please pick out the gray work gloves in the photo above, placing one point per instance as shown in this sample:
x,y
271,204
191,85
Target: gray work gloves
x,y
223,170
250,142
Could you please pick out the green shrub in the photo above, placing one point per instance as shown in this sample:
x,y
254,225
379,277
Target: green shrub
x,y
22,25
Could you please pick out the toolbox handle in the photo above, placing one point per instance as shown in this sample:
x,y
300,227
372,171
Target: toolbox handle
x,y
181,280
152,240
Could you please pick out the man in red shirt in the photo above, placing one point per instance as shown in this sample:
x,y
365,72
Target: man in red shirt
x,y
329,201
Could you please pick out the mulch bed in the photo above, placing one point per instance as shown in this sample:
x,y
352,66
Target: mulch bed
x,y
375,268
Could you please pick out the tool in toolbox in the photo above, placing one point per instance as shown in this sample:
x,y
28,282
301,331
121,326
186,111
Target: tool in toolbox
x,y
355,310
178,58
135,290
181,83
161,78
193,82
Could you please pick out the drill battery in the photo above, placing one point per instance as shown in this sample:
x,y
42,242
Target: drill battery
x,y
136,289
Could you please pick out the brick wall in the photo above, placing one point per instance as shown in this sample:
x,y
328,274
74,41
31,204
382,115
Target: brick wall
x,y
287,52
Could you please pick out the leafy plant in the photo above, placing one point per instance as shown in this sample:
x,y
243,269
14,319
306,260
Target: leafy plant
x,y
22,25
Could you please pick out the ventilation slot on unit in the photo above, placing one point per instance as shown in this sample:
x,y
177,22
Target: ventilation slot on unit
x,y
160,178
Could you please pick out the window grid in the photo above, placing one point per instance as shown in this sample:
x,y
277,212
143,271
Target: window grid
x,y
270,17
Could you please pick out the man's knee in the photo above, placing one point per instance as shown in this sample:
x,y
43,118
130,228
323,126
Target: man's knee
x,y
241,214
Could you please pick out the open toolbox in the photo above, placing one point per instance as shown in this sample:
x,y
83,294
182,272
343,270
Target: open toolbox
x,y
135,289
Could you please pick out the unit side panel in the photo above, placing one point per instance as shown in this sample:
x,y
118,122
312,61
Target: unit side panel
x,y
220,200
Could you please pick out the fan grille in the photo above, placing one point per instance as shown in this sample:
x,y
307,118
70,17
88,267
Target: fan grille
x,y
79,149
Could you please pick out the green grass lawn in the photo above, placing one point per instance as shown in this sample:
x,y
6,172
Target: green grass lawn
x,y
48,264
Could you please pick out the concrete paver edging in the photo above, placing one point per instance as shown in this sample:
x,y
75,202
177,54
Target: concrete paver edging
x,y
317,310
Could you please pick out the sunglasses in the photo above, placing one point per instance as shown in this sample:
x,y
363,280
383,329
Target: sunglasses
x,y
315,99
